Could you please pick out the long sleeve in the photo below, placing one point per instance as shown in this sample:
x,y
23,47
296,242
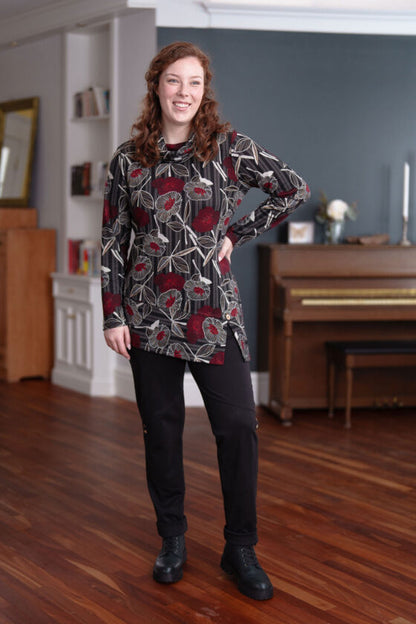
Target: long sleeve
x,y
116,230
254,166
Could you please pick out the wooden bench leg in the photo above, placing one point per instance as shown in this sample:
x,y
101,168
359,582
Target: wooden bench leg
x,y
331,388
348,377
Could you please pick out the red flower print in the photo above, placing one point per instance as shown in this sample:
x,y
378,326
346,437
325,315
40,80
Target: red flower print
x,y
224,266
159,336
198,189
170,301
196,289
168,281
168,205
165,185
110,302
208,311
205,219
232,235
288,193
218,358
194,328
213,330
176,350
153,245
228,164
194,325
136,174
267,181
141,217
135,340
142,268
109,212
133,312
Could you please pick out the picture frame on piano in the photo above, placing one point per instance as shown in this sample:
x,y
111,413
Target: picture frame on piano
x,y
300,232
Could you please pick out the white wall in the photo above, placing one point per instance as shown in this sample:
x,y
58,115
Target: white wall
x,y
135,47
34,69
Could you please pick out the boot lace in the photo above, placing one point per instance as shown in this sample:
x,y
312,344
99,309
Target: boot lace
x,y
249,556
172,544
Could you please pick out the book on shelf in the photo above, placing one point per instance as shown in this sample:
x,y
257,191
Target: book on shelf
x,y
92,102
84,257
88,179
81,179
98,177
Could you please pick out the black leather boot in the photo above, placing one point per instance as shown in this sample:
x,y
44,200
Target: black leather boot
x,y
252,580
168,565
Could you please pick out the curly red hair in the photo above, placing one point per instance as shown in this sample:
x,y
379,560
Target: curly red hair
x,y
206,124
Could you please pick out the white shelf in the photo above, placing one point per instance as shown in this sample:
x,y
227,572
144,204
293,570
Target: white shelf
x,y
88,198
88,118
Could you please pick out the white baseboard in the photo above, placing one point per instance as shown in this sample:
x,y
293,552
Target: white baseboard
x,y
124,387
82,383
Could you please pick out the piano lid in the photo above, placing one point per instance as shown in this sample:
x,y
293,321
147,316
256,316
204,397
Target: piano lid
x,y
353,261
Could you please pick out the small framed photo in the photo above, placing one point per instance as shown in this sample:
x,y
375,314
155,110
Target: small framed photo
x,y
301,232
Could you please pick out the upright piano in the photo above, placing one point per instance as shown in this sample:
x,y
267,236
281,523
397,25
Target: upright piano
x,y
309,294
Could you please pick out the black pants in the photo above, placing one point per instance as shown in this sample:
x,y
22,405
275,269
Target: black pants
x,y
228,397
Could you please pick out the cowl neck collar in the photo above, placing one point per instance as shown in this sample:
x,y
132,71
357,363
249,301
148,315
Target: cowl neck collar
x,y
181,155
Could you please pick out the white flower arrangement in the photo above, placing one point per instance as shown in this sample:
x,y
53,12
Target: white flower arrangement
x,y
335,210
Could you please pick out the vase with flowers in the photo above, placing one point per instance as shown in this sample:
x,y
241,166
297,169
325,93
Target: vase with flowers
x,y
332,215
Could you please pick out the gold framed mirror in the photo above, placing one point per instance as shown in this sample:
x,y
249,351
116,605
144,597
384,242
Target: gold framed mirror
x,y
18,126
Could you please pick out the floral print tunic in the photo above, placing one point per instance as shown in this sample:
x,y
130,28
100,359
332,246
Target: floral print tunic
x,y
165,282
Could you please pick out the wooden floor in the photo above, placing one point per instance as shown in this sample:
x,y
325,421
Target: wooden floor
x,y
337,518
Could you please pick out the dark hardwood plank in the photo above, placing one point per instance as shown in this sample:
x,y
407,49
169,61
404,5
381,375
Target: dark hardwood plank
x,y
337,519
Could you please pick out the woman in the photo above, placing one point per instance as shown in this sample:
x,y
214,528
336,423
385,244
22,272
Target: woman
x,y
172,297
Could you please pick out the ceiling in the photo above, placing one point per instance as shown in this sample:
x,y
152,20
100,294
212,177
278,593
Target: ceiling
x,y
11,8
22,20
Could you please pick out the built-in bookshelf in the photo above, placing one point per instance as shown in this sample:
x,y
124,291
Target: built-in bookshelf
x,y
88,133
103,73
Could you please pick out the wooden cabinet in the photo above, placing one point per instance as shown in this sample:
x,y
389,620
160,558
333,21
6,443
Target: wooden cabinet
x,y
310,294
27,258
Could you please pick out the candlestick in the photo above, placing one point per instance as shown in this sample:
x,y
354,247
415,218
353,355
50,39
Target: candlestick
x,y
406,173
405,240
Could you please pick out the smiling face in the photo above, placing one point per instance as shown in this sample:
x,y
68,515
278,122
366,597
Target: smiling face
x,y
180,91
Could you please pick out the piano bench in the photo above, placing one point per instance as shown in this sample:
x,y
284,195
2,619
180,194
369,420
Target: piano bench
x,y
352,354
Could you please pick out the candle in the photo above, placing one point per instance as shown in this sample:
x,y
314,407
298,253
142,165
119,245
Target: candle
x,y
406,191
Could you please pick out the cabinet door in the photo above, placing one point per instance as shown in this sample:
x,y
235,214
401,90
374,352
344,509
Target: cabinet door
x,y
73,334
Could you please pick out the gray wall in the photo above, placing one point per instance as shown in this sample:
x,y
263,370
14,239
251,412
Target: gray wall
x,y
35,69
341,109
